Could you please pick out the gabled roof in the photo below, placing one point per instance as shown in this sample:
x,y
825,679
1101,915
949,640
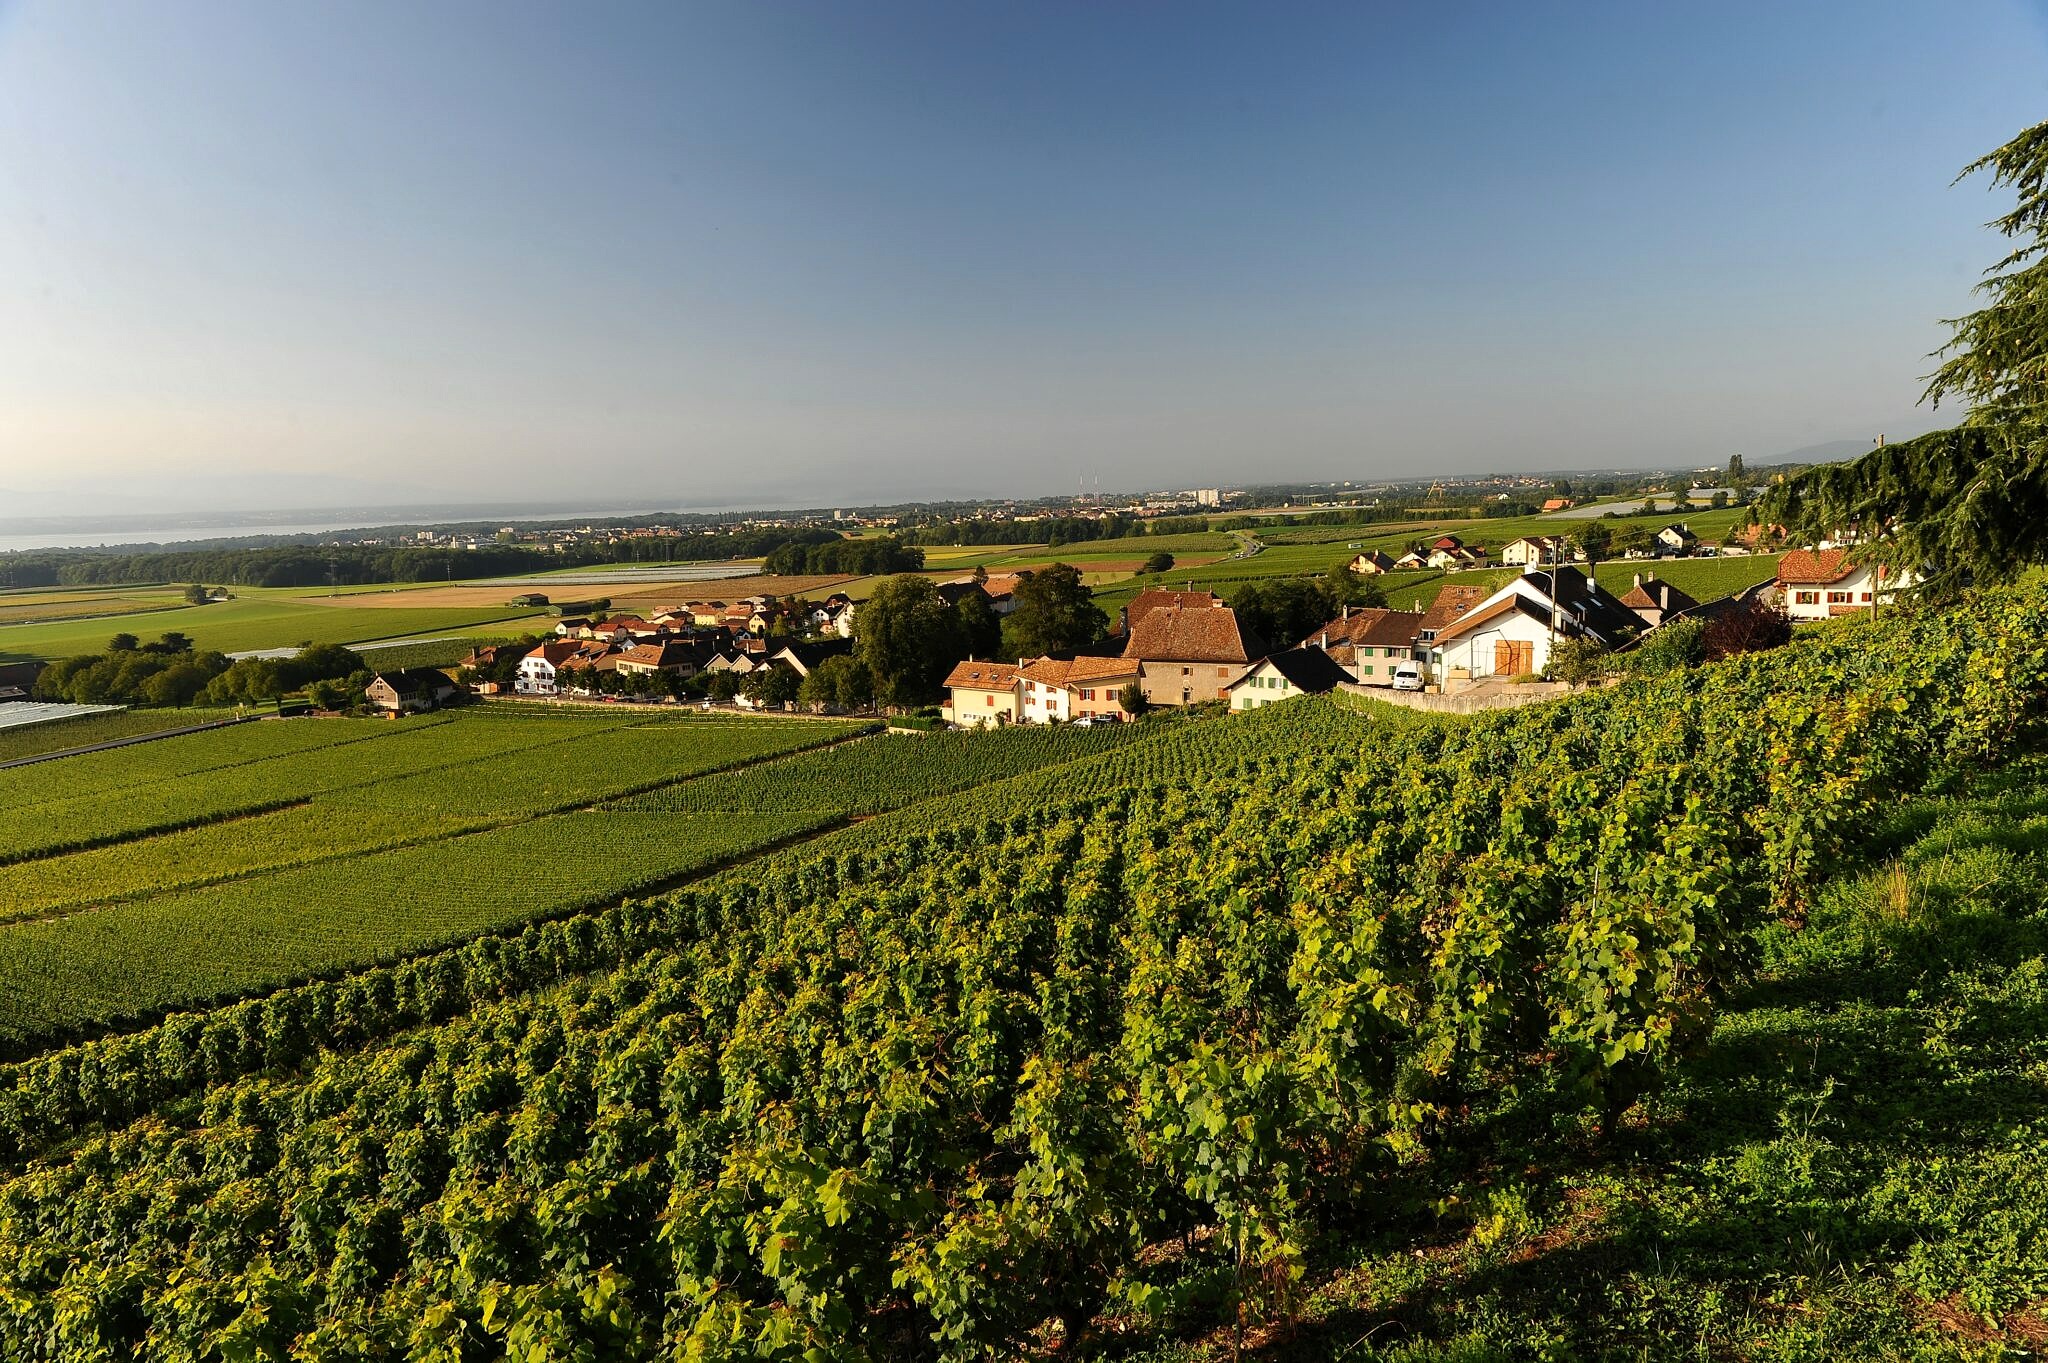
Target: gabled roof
x,y
1487,614
555,652
1814,567
412,681
1046,671
1086,671
805,655
666,654
1583,606
1191,634
1371,626
1452,602
1597,609
1309,669
1657,596
985,676
1160,598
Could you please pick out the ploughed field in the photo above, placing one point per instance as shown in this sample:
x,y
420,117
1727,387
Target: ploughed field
x,y
1700,1016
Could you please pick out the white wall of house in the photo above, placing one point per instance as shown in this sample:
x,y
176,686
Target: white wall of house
x,y
1854,592
536,677
1044,702
1260,686
1477,653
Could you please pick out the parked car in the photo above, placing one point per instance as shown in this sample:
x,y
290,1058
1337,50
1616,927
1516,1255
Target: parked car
x,y
1407,677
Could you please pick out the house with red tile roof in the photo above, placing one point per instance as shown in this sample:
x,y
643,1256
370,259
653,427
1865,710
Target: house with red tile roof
x,y
1368,642
1187,655
1158,598
536,675
1818,583
1656,602
979,693
666,656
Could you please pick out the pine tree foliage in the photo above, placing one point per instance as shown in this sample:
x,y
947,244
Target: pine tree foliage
x,y
1971,502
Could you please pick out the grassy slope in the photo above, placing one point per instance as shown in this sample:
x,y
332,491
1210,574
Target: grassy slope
x,y
1855,1168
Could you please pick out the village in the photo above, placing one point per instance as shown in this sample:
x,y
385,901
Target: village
x,y
1471,647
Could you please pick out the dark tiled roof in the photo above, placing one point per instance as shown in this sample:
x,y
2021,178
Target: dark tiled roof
x,y
1310,669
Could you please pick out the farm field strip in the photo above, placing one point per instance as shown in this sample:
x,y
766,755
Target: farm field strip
x,y
598,767
134,960
607,762
884,772
224,850
122,770
33,740
261,785
266,621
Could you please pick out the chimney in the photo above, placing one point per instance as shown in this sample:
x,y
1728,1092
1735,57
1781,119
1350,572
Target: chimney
x,y
1326,641
1347,612
1638,580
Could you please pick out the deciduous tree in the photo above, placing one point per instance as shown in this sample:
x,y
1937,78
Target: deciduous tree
x,y
909,639
1056,613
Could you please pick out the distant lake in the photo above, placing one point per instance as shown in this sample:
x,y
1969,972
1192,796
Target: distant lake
x,y
72,533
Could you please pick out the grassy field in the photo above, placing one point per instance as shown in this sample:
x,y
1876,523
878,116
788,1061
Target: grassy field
x,y
80,620
49,605
1703,579
260,620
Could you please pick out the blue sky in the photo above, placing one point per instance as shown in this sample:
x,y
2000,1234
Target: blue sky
x,y
262,254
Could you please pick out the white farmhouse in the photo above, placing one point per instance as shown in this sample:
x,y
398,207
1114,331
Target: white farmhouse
x,y
1819,583
1511,632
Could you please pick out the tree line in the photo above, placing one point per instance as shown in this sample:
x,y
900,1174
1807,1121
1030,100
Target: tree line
x,y
171,672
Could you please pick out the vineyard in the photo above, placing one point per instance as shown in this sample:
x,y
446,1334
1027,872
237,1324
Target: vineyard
x,y
1130,1047
33,740
887,772
313,845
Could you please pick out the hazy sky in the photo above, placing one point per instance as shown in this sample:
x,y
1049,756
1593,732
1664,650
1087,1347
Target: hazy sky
x,y
284,254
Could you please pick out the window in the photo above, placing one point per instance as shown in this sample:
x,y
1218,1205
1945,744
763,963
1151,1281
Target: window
x,y
990,699
1806,598
1866,597
1365,670
1088,695
1838,598
1187,671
